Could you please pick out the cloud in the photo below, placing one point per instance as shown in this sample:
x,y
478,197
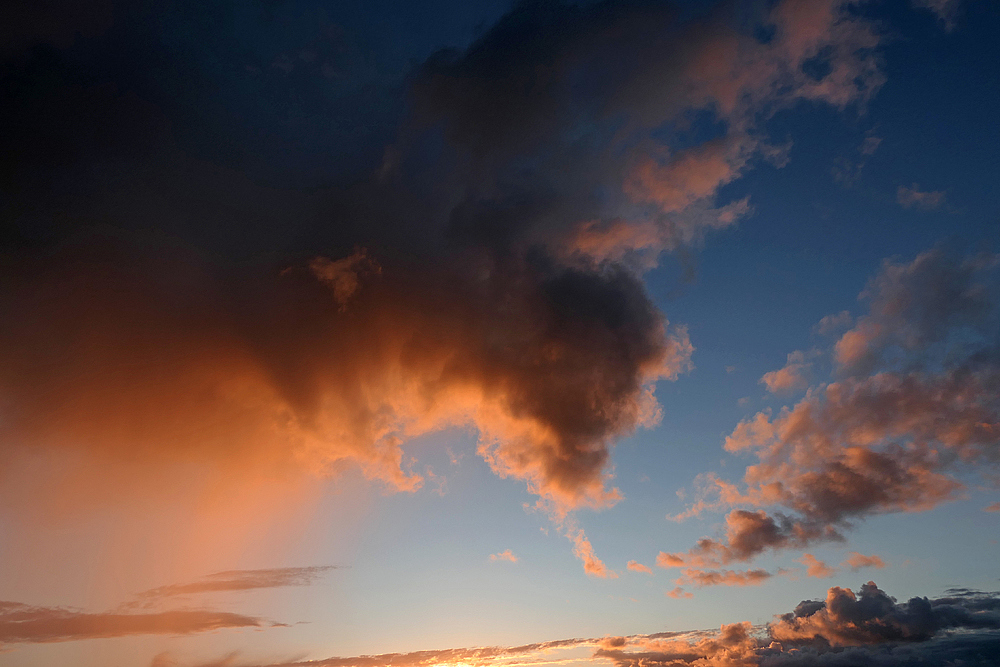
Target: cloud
x,y
679,593
831,324
243,580
638,567
817,568
994,507
21,623
583,550
217,307
506,555
915,400
945,10
702,578
913,197
871,616
792,377
857,561
867,628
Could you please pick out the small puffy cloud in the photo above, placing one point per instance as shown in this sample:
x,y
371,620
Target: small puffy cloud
x,y
816,568
792,377
914,197
638,567
994,507
856,561
679,593
506,555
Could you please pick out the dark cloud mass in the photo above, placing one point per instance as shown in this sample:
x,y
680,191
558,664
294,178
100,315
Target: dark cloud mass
x,y
233,241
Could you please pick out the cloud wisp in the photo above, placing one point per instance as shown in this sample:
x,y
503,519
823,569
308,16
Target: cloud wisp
x,y
242,580
22,624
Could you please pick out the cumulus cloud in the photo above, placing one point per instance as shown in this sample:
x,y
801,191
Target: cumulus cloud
x,y
914,197
21,623
916,399
792,377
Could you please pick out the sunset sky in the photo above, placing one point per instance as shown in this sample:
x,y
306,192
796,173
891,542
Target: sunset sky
x,y
491,334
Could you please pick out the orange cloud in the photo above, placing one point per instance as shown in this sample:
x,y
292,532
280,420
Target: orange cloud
x,y
792,377
856,561
702,578
506,555
638,567
679,593
816,568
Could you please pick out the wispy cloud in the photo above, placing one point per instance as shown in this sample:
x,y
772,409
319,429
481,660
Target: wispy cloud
x,y
914,197
244,580
21,623
856,561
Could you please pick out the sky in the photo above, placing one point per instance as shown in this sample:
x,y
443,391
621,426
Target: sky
x,y
492,334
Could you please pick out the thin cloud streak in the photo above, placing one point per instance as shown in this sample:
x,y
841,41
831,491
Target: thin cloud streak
x,y
26,624
244,580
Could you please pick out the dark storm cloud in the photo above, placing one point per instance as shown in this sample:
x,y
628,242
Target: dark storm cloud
x,y
229,244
